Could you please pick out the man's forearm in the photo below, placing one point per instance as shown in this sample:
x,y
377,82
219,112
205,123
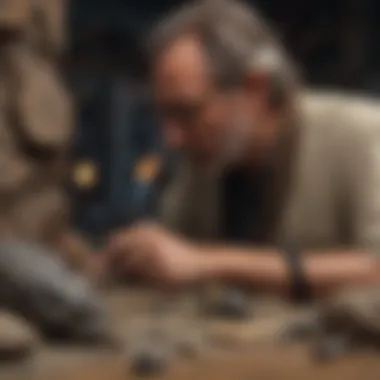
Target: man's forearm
x,y
268,270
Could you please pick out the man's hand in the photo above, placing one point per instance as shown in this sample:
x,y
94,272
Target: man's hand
x,y
152,252
156,254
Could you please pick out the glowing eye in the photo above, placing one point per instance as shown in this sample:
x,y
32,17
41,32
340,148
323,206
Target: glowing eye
x,y
85,175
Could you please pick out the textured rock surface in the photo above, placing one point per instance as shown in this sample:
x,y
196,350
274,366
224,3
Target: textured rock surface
x,y
262,361
356,310
17,338
36,127
40,287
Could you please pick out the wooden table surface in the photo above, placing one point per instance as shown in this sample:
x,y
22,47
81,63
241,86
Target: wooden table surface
x,y
265,360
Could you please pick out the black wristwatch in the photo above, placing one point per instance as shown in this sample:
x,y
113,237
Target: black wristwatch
x,y
301,291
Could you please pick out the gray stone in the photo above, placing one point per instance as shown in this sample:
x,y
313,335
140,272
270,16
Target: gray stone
x,y
35,284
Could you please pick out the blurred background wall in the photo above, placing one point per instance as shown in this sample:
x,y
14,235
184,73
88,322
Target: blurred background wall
x,y
335,41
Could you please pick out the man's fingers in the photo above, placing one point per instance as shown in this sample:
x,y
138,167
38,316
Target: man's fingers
x,y
135,261
146,225
121,243
127,249
133,248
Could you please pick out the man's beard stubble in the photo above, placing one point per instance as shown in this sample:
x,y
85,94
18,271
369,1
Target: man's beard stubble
x,y
233,147
236,142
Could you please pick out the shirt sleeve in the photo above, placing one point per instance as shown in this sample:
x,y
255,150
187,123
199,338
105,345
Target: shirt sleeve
x,y
365,171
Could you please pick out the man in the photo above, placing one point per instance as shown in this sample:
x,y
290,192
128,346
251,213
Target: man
x,y
306,166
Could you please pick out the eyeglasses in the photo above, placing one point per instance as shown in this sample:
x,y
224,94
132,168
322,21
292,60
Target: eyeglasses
x,y
185,113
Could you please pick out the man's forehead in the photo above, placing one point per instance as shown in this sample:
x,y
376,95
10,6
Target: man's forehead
x,y
181,70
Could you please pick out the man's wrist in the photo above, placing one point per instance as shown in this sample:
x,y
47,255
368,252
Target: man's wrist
x,y
221,264
211,265
261,269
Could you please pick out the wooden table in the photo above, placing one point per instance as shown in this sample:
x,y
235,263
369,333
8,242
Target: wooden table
x,y
265,360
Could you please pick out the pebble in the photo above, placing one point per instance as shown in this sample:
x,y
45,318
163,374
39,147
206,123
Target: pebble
x,y
331,348
233,305
191,345
17,338
148,364
301,330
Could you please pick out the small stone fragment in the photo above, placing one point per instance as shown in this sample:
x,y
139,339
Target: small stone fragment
x,y
191,345
332,347
148,363
233,305
302,329
17,338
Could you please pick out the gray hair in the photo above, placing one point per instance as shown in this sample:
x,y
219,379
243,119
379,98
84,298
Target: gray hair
x,y
236,39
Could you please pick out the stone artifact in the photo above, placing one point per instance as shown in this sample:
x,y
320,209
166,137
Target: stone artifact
x,y
349,321
36,128
149,363
38,286
17,338
228,303
14,15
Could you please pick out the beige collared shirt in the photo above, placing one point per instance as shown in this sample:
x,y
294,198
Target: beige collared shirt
x,y
334,191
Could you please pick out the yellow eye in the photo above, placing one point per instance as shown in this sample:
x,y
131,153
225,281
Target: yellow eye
x,y
85,175
147,169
